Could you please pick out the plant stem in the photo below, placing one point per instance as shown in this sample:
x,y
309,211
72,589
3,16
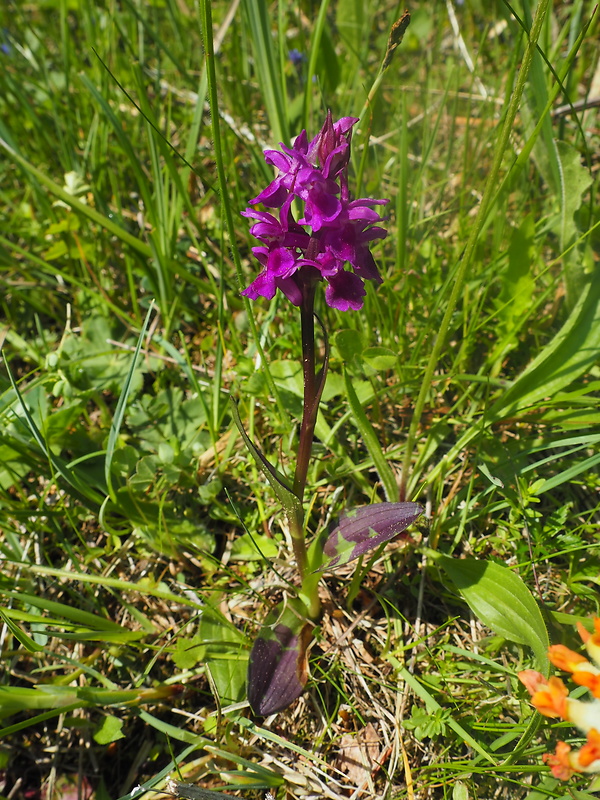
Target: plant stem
x,y
296,515
309,415
313,388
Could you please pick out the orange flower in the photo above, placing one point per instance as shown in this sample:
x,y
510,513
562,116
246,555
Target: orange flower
x,y
591,640
559,762
551,698
590,752
566,659
548,696
588,679
584,672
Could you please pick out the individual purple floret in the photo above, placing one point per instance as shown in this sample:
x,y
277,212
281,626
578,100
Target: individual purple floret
x,y
333,232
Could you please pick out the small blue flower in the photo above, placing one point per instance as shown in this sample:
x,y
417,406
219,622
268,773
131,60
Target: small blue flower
x,y
5,45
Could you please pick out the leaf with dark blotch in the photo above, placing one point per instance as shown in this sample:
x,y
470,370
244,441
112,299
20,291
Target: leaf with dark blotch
x,y
363,529
278,666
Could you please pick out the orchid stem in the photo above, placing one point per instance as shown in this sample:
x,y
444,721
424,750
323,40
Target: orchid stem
x,y
309,415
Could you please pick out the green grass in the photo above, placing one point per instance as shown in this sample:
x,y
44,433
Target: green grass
x,y
132,519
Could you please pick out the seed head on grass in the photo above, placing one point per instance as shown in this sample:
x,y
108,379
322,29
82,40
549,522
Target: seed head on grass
x,y
333,231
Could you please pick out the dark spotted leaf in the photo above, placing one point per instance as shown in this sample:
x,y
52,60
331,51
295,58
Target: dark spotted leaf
x,y
363,529
278,666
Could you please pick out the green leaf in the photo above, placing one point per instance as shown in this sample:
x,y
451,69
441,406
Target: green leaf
x,y
188,652
253,547
24,640
77,205
573,351
328,65
350,22
288,375
380,358
258,22
109,730
72,477
500,599
225,654
121,405
425,724
517,284
189,791
349,345
69,612
576,180
433,707
460,791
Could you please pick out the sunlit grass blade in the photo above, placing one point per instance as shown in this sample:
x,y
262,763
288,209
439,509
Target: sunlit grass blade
x,y
362,422
256,15
120,409
476,228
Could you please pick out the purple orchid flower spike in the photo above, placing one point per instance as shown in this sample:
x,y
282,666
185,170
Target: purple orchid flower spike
x,y
334,231
317,233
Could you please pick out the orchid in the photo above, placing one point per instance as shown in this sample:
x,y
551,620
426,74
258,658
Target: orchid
x,y
328,241
333,231
551,698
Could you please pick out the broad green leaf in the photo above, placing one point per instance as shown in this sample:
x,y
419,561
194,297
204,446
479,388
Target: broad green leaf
x,y
225,654
188,652
288,375
516,290
500,599
575,182
349,345
460,791
253,547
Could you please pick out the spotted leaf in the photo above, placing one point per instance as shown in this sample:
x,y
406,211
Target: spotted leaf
x,y
278,666
363,529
